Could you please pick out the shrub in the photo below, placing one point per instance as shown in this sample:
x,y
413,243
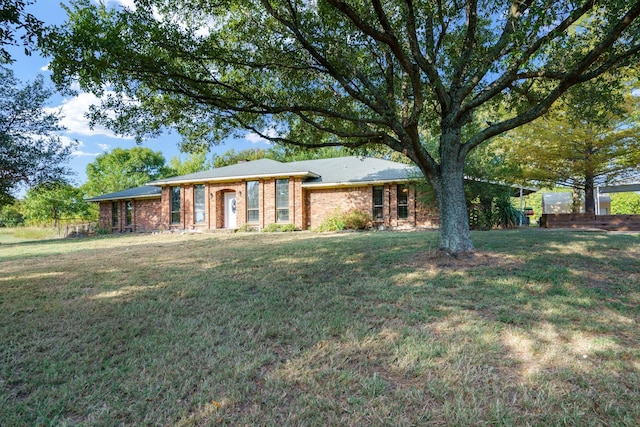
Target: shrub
x,y
334,222
246,228
275,228
10,216
357,220
505,214
351,220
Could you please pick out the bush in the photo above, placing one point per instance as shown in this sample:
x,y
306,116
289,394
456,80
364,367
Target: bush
x,y
357,220
247,228
276,228
10,216
351,220
505,214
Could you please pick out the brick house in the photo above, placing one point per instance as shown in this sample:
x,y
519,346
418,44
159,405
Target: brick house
x,y
265,191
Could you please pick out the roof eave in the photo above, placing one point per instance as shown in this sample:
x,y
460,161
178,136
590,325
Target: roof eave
x,y
164,182
110,199
355,183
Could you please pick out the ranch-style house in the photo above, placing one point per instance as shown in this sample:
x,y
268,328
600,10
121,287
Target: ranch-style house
x,y
264,192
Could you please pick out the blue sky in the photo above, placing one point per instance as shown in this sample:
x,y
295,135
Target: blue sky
x,y
93,142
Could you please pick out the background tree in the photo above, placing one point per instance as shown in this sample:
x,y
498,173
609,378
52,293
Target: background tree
x,y
344,72
55,201
194,162
625,203
592,136
231,157
120,169
14,19
31,152
11,215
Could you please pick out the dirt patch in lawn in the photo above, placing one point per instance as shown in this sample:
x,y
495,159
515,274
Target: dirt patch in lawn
x,y
444,261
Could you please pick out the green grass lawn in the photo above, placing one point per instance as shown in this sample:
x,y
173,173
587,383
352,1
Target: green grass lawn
x,y
295,329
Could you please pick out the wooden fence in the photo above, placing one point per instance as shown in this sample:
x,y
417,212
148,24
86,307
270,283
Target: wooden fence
x,y
585,220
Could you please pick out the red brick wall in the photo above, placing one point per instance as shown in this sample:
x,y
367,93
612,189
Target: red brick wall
x,y
146,215
321,203
307,207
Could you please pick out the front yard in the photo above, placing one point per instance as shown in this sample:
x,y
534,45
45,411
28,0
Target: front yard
x,y
287,329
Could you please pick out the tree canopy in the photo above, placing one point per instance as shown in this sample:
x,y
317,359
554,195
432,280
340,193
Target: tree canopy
x,y
14,19
54,201
120,169
592,136
412,75
31,151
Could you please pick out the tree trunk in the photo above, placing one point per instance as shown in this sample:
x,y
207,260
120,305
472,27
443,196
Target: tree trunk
x,y
589,199
448,183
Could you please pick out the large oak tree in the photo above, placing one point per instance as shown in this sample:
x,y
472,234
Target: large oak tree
x,y
345,72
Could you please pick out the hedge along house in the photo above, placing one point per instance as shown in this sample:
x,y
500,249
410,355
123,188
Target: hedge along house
x,y
264,192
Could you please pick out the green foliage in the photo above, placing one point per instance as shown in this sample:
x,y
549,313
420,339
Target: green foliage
x,y
353,219
230,157
247,228
505,214
357,220
592,134
625,203
333,222
279,228
120,169
31,152
13,18
101,231
195,162
49,203
11,215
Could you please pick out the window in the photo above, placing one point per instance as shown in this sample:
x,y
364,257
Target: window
x,y
114,214
253,201
175,205
198,203
378,203
403,202
282,200
129,216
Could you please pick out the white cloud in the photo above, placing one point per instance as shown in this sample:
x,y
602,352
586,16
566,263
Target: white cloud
x,y
254,138
80,153
104,147
73,116
129,4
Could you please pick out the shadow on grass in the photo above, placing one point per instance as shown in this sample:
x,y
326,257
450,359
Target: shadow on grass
x,y
307,329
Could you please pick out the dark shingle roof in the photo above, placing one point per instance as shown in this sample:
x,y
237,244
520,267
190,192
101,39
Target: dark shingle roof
x,y
356,171
143,192
323,172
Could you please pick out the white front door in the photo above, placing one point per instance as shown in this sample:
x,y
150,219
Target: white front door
x,y
230,210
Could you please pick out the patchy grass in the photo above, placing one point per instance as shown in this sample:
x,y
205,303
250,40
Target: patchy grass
x,y
25,234
539,328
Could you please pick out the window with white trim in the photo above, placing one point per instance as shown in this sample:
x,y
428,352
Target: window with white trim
x,y
282,200
403,202
253,201
378,203
175,205
198,203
